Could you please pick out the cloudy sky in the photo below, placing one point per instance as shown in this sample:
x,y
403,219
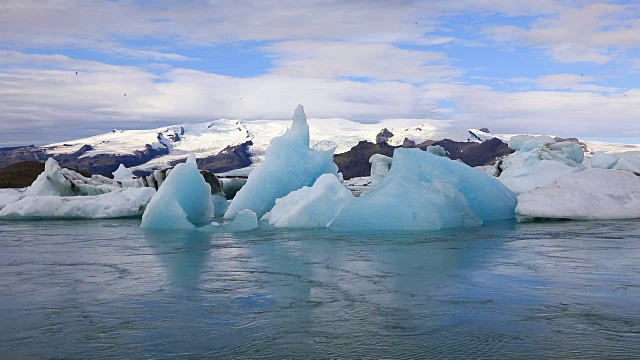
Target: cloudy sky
x,y
565,67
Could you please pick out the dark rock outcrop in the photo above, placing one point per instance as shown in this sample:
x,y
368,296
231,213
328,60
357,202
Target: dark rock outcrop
x,y
355,162
13,155
475,154
229,158
383,136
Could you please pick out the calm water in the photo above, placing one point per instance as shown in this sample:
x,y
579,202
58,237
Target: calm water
x,y
106,289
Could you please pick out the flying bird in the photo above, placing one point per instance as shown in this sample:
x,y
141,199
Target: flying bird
x,y
76,73
581,74
125,94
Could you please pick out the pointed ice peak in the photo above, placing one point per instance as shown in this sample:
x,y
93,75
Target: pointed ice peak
x,y
191,159
299,116
299,128
51,165
122,173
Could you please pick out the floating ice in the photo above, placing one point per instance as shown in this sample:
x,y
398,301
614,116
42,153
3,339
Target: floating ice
x,y
586,195
311,207
289,165
122,173
628,163
380,165
183,201
526,170
602,160
437,150
573,150
220,205
8,196
423,191
529,142
244,220
57,181
118,203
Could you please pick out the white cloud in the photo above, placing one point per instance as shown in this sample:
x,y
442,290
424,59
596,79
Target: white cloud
x,y
591,33
53,97
564,113
343,59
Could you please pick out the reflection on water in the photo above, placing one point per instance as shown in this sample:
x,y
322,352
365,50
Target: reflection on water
x,y
107,289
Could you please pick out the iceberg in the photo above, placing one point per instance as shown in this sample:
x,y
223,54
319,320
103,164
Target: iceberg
x,y
628,163
57,181
122,173
244,220
8,196
380,165
586,195
423,191
183,202
529,142
289,165
602,160
118,203
526,170
311,207
437,150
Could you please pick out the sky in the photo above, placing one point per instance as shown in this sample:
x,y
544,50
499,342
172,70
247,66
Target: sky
x,y
562,67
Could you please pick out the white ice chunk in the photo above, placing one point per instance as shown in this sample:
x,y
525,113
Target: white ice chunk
x,y
437,150
629,164
289,165
122,173
422,192
540,173
220,204
526,170
380,165
529,142
244,220
183,201
311,207
573,150
118,203
8,196
585,195
602,160
57,181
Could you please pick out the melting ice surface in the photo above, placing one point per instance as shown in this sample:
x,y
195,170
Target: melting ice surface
x,y
288,166
182,202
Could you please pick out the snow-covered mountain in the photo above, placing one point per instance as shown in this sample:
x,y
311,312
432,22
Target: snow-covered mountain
x,y
210,138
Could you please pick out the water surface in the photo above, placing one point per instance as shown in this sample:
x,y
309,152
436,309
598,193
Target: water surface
x,y
106,289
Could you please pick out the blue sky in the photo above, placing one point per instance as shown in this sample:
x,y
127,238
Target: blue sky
x,y
564,67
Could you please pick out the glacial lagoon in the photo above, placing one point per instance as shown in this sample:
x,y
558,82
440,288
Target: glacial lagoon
x,y
104,289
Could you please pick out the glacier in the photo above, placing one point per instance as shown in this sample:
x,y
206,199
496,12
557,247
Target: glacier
x,y
311,207
289,165
423,191
183,202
